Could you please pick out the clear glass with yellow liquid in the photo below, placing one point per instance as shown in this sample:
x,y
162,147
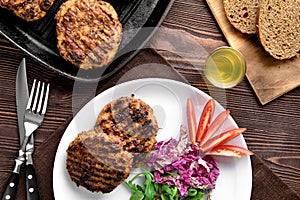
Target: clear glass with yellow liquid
x,y
225,67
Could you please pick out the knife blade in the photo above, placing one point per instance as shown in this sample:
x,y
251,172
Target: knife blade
x,y
22,96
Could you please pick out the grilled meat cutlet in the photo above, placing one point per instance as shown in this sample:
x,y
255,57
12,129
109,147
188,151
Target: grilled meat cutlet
x,y
46,4
29,10
88,33
97,162
132,121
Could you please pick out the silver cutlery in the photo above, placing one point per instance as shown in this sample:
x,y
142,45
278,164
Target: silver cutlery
x,y
33,117
22,97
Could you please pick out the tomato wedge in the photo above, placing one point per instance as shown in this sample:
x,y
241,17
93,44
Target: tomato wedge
x,y
205,119
216,124
221,139
191,118
230,150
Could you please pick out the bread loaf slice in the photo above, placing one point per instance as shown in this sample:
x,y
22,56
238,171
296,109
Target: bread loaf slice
x,y
242,14
279,27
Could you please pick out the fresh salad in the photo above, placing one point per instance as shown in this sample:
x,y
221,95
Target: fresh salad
x,y
185,169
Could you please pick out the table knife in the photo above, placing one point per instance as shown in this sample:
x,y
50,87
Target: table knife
x,y
22,96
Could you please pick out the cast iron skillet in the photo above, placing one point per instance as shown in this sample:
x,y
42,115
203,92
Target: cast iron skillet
x,y
139,19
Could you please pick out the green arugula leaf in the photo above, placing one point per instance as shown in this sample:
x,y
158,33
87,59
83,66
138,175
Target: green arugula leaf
x,y
166,189
192,192
134,187
174,192
197,194
158,191
150,191
138,195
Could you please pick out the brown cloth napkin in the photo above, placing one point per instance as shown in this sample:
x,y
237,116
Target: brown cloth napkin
x,y
266,185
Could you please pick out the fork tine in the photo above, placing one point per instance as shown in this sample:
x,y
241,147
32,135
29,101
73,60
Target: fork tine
x,y
45,100
31,95
36,97
41,98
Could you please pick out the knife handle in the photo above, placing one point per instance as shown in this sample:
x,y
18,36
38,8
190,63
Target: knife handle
x,y
11,188
32,189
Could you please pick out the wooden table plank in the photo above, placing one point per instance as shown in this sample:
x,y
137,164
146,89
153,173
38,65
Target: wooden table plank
x,y
273,129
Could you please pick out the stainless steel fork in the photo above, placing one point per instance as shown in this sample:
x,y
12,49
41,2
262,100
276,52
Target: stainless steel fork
x,y
35,111
34,115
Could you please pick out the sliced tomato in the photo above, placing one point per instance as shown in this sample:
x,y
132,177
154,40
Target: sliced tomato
x,y
230,150
205,119
216,124
191,118
221,139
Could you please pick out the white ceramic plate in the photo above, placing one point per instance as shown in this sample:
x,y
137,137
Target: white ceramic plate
x,y
168,100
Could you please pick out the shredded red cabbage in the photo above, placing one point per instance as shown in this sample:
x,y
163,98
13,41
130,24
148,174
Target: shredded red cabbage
x,y
180,163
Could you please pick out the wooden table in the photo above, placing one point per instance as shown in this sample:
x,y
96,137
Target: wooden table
x,y
273,130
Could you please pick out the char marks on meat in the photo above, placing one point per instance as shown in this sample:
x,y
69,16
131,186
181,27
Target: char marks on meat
x,y
124,134
132,121
88,33
97,162
29,10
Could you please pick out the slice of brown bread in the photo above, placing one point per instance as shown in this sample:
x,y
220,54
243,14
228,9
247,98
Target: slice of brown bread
x,y
279,27
242,14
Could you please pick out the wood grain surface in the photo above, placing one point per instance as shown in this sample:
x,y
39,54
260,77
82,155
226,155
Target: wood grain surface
x,y
269,78
272,129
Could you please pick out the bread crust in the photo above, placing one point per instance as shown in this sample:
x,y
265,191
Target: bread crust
x,y
242,14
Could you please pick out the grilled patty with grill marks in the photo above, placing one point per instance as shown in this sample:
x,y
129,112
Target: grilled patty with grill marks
x,y
29,10
97,162
88,33
132,121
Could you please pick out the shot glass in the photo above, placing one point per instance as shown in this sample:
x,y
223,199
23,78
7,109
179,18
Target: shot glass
x,y
225,67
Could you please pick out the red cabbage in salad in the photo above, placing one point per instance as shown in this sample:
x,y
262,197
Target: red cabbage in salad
x,y
181,164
